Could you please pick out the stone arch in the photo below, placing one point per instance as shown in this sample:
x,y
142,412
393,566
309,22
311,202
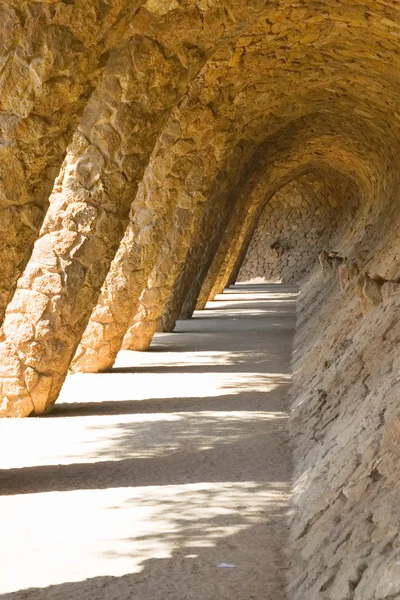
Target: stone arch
x,y
97,142
375,178
165,272
38,124
289,198
53,56
188,105
232,103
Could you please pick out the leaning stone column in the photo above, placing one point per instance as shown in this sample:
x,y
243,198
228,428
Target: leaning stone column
x,y
203,254
197,230
230,260
200,258
50,54
239,223
231,280
244,208
169,265
80,236
169,283
179,176
61,282
173,306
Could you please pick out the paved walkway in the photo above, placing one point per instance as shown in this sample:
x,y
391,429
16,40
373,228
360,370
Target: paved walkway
x,y
167,478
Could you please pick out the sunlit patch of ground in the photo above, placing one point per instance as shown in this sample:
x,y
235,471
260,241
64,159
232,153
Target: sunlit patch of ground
x,y
147,479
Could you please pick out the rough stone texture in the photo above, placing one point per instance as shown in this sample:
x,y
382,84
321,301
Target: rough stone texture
x,y
85,223
174,303
52,55
230,255
305,215
103,167
299,153
167,268
153,209
225,72
345,425
202,255
241,223
160,193
208,109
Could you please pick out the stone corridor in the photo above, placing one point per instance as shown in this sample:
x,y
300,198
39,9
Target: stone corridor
x,y
146,480
154,153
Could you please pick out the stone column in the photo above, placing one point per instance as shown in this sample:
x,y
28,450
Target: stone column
x,y
239,260
84,225
239,221
231,260
204,253
169,265
52,56
173,306
201,255
185,256
181,177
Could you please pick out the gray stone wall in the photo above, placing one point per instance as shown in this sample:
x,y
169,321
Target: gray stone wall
x,y
304,216
345,421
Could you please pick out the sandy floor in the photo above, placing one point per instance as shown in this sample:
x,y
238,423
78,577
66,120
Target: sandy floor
x,y
167,478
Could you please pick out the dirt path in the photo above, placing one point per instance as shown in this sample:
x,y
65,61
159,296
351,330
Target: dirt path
x,y
167,478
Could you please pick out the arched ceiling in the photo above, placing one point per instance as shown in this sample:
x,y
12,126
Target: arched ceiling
x,y
199,102
336,66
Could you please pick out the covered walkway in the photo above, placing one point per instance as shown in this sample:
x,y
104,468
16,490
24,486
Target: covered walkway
x,y
168,477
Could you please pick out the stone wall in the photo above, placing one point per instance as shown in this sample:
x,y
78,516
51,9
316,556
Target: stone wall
x,y
345,422
303,216
345,415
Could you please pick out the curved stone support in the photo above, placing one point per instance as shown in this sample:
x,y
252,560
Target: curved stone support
x,y
245,217
178,260
50,308
52,56
170,263
84,225
232,279
202,259
227,64
173,306
227,263
161,199
230,107
232,240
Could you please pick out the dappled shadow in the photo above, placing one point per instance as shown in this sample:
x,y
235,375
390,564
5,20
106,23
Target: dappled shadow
x,y
145,479
180,449
243,401
179,468
191,570
246,361
200,331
